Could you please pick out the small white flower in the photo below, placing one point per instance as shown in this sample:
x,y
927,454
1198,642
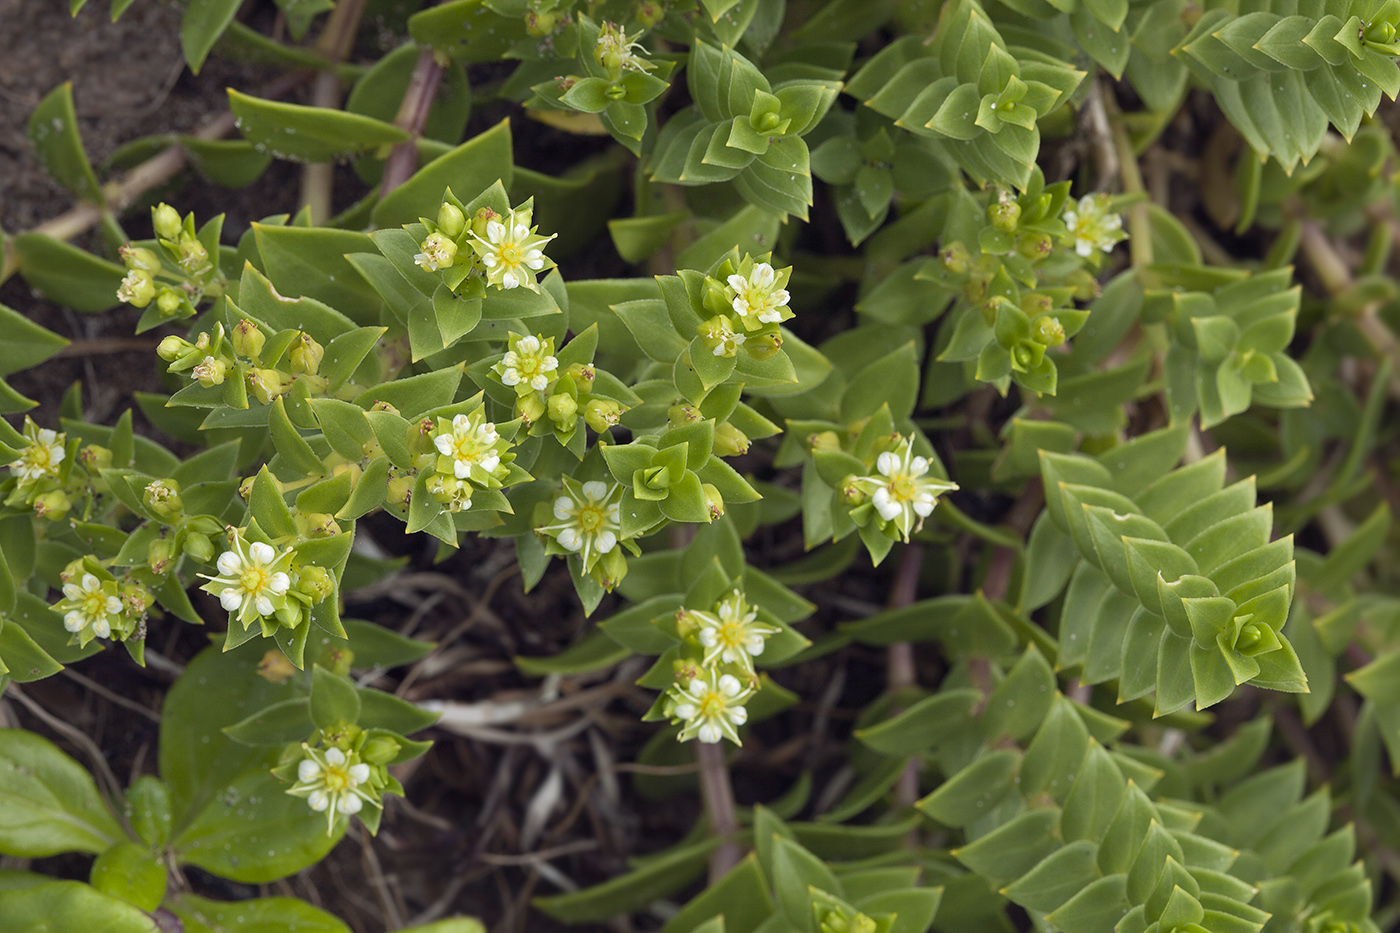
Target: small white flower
x,y
252,580
759,297
528,364
469,441
41,457
711,707
455,494
90,607
617,51
733,634
511,252
1092,227
902,493
588,520
333,783
438,253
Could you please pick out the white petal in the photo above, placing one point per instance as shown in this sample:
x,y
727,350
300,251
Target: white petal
x,y
709,733
490,462
489,260
698,687
350,804
319,800
444,444
231,598
461,423
91,583
359,773
708,637
887,508
595,490
495,230
738,283
729,685
918,466
74,621
528,344
887,463
521,231
741,307
308,770
279,583
737,715
763,276
685,710
780,297
535,264
549,364
261,553
335,757
605,542
263,605
570,539
72,591
539,382
112,605
923,505
461,469
510,280
564,508
511,377
101,628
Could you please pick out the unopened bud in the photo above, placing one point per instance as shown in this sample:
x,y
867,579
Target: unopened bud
x,y
450,220
602,414
318,524
1047,331
730,441
1005,216
399,490
481,218
163,498
684,414
53,505
166,221
718,298
657,478
650,12
137,289
192,256
610,570
169,302
139,258
529,408
956,259
264,384
247,339
764,346
158,555
94,458
713,499
210,372
823,440
563,409
384,406
583,375
172,348
380,750
851,494
198,546
315,582
306,355
1035,246
540,24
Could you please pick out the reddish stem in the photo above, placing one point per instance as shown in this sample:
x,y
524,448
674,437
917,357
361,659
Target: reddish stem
x,y
412,117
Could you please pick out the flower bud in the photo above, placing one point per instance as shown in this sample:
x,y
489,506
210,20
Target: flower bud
x,y
684,414
384,406
314,582
764,346
172,348
306,355
137,599
563,409
317,524
1005,215
380,750
767,122
399,490
540,24
823,440
730,441
159,555
481,218
94,458
686,624
1047,331
450,220
275,668
210,372
650,12
657,478
713,499
163,498
610,569
264,384
191,256
835,921
137,289
245,488
851,494
140,259
53,505
529,408
956,258
198,546
166,221
72,570
583,375
602,414
1379,33
247,339
1035,246
169,302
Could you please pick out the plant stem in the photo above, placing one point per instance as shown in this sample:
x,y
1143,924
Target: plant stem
x,y
412,117
1139,225
318,178
718,795
900,670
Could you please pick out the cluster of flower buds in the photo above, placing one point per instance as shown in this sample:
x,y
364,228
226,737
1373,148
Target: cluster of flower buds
x,y
745,301
715,677
54,474
729,441
177,274
547,395
503,250
234,361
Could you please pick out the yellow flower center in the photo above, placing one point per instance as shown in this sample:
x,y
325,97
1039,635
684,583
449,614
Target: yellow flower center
x,y
731,634
902,487
94,605
337,779
590,518
510,254
712,704
253,580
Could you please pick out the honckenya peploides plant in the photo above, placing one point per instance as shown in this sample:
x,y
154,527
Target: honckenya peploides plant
x,y
955,440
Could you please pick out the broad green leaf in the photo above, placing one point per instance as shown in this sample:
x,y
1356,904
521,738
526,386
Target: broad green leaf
x,y
48,802
975,790
203,23
308,134
67,275
62,906
740,898
259,915
53,130
469,170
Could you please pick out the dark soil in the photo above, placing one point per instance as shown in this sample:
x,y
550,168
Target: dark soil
x,y
487,824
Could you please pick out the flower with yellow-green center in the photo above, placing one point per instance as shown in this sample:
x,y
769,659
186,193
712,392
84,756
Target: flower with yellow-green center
x,y
617,52
334,783
454,494
469,447
511,251
901,491
710,707
587,519
528,365
1092,227
137,288
438,253
90,608
41,457
732,634
253,581
759,295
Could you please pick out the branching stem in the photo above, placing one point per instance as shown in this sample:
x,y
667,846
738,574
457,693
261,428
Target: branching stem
x,y
718,795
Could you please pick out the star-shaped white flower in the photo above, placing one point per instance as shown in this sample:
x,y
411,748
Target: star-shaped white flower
x,y
902,492
252,581
711,707
333,783
511,252
90,607
733,633
470,441
758,297
588,519
41,457
1092,226
528,364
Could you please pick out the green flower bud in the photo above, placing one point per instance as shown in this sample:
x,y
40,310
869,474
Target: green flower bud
x,y
169,302
824,440
657,478
563,409
836,921
481,218
140,259
1047,331
602,413
198,546
1026,355
166,220
384,406
210,372
1035,246
314,582
264,384
1005,215
685,670
306,355
530,408
450,220
247,339
159,555
730,441
1380,33
95,459
684,414
137,289
380,750
764,346
851,495
336,659
317,524
399,490
610,570
53,505
137,599
583,375
191,256
539,25
956,259
163,498
172,348
713,499
650,12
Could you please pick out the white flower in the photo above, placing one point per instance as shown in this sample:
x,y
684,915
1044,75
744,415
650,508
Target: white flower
x,y
759,297
41,456
732,635
1092,226
252,581
333,783
438,252
617,51
469,441
455,494
90,607
902,493
528,364
711,707
137,288
727,342
588,519
512,252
